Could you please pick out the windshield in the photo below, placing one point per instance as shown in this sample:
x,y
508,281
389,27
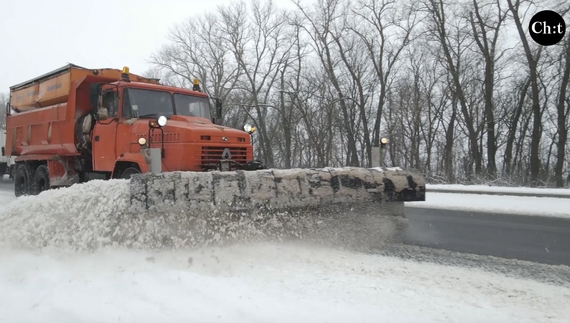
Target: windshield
x,y
149,103
192,106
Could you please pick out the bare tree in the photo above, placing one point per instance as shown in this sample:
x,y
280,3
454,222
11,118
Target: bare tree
x,y
454,42
198,50
386,30
324,81
320,28
563,111
513,110
486,25
532,57
259,44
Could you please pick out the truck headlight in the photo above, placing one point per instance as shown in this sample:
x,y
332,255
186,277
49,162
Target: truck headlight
x,y
248,128
161,121
142,141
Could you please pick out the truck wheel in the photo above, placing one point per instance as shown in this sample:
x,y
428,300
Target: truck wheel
x,y
22,180
127,173
40,182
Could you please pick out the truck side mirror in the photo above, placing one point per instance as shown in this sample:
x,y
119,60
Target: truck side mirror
x,y
102,114
217,117
219,109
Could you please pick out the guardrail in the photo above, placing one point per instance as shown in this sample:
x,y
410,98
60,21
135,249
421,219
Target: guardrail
x,y
506,191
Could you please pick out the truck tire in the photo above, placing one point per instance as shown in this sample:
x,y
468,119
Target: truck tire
x,y
130,171
22,180
40,182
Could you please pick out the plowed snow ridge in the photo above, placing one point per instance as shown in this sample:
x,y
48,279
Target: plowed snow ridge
x,y
98,213
76,216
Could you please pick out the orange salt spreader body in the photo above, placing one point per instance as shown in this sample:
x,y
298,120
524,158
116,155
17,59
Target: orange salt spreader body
x,y
76,124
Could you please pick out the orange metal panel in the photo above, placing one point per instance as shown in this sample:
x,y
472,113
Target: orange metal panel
x,y
55,90
45,92
61,171
104,146
25,96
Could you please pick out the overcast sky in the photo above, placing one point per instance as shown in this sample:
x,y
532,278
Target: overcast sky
x,y
37,36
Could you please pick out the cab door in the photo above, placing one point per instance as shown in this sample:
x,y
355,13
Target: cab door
x,y
104,134
124,135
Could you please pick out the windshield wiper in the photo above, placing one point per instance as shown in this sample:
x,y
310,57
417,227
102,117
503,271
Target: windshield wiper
x,y
150,115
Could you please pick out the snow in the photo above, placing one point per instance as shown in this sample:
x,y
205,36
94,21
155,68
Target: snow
x,y
96,214
532,206
499,189
263,283
75,217
259,282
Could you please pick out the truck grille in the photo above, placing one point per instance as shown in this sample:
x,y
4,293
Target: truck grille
x,y
211,155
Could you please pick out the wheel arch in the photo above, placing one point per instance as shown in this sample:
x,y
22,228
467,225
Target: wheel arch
x,y
129,160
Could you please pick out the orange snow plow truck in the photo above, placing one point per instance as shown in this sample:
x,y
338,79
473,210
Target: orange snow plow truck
x,y
75,124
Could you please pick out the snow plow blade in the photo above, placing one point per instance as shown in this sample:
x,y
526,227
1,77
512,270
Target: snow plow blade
x,y
346,205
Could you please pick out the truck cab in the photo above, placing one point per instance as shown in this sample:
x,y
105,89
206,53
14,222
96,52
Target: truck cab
x,y
136,116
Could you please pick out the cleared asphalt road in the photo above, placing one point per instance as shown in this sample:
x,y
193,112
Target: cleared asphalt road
x,y
533,238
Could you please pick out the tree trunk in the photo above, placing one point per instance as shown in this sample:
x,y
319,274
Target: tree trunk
x,y
537,115
562,118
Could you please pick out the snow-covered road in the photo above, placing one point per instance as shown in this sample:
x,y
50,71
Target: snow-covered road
x,y
518,205
262,283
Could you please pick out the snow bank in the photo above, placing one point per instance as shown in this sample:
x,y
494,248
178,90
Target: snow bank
x,y
263,283
81,216
535,206
98,213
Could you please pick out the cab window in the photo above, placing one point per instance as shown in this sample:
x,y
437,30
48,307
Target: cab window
x,y
147,103
111,103
188,105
